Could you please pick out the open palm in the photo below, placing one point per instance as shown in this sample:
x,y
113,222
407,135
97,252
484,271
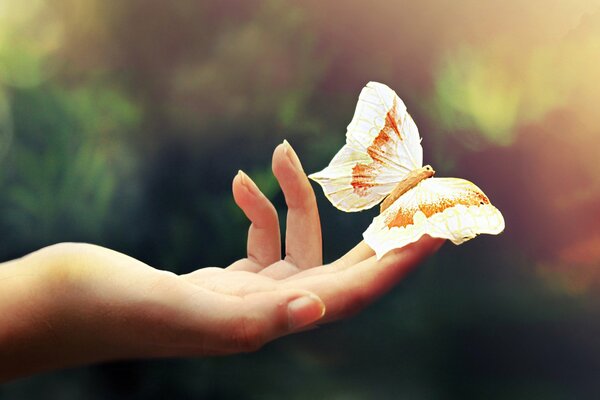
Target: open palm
x,y
342,288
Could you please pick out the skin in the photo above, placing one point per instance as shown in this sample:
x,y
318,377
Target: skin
x,y
71,304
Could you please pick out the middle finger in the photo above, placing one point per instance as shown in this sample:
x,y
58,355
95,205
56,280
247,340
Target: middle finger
x,y
303,244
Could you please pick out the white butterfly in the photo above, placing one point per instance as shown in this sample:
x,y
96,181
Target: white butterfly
x,y
383,160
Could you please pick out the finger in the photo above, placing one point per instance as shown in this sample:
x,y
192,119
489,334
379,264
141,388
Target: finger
x,y
303,232
262,317
346,289
264,243
358,253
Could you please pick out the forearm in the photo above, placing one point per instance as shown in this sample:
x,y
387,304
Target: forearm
x,y
26,309
72,304
51,315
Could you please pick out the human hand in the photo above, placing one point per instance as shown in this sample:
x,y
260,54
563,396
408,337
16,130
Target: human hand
x,y
84,303
346,285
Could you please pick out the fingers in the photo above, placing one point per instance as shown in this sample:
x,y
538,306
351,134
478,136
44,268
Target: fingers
x,y
303,233
264,243
346,289
261,317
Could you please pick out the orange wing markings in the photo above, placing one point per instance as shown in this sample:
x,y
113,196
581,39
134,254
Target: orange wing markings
x,y
404,216
467,199
378,148
363,175
363,178
391,120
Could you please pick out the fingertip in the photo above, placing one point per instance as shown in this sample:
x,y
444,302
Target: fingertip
x,y
243,182
236,179
241,175
304,311
286,158
292,179
251,200
238,189
278,156
292,156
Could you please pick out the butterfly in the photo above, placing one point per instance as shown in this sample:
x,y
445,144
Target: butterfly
x,y
383,160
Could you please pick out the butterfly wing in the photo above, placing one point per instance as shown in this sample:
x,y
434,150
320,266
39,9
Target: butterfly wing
x,y
382,146
448,208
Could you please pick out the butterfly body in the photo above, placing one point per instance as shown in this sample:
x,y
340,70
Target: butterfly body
x,y
410,181
382,160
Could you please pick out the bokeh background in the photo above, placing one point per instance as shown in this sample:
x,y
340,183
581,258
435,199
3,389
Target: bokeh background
x,y
123,122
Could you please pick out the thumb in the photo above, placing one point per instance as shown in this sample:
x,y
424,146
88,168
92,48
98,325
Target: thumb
x,y
265,316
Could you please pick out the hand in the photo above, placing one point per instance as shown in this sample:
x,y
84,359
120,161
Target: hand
x,y
70,304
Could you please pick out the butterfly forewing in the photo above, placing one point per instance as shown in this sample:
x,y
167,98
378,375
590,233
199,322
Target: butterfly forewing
x,y
448,208
382,147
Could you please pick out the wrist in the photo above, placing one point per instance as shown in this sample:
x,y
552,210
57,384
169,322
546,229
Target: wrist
x,y
89,311
50,316
103,305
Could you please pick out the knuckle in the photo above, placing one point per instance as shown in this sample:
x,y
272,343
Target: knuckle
x,y
305,201
302,197
267,218
272,212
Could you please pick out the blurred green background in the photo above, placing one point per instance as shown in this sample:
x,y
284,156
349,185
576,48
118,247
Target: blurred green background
x,y
123,122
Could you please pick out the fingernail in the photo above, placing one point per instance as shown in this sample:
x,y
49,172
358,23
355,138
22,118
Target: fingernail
x,y
304,311
292,156
247,182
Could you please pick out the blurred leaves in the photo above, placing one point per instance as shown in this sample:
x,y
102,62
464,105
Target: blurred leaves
x,y
263,67
474,93
66,160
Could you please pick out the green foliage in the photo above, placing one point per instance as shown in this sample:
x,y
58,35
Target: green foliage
x,y
68,159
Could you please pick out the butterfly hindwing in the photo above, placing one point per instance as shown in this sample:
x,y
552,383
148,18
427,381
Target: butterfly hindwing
x,y
448,208
382,146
